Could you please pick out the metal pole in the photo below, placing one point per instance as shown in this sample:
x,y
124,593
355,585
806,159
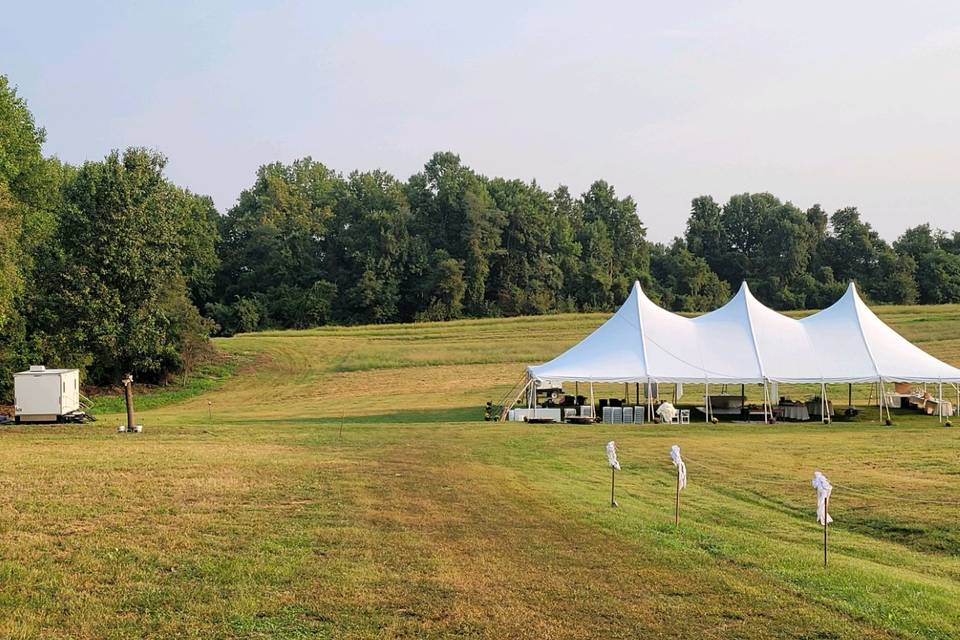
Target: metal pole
x,y
593,407
706,400
940,401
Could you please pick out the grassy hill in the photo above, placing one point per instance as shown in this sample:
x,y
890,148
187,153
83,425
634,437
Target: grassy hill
x,y
341,483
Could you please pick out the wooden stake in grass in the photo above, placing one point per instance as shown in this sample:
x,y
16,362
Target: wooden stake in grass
x,y
826,505
128,396
614,467
676,517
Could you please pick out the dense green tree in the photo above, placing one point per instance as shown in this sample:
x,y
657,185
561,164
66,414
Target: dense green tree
x,y
274,243
114,287
453,209
855,252
527,276
369,249
937,269
27,188
684,281
444,288
629,256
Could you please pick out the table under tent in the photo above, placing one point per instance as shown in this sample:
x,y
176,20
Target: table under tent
x,y
744,343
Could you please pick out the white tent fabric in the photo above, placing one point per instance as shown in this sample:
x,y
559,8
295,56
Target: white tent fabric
x,y
744,342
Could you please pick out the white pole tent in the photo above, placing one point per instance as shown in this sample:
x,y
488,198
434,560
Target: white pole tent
x,y
744,342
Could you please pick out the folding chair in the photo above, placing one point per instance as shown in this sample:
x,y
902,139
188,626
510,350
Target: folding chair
x,y
684,416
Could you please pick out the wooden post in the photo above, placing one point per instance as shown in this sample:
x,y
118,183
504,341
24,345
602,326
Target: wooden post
x,y
676,520
209,411
613,483
128,396
826,515
850,396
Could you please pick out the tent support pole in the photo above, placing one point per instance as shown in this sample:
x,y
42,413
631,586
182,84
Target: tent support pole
x,y
593,407
850,396
706,400
883,401
649,393
766,404
576,394
940,401
824,405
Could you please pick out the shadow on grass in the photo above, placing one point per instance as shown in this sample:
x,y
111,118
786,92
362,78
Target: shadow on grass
x,y
413,416
408,416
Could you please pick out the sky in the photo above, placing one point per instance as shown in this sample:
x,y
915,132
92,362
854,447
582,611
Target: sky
x,y
836,103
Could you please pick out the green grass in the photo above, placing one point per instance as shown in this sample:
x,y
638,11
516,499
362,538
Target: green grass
x,y
339,483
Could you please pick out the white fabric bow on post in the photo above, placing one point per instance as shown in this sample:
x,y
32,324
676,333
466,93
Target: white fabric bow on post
x,y
678,463
612,455
824,489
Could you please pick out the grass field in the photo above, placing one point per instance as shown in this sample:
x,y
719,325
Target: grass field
x,y
341,483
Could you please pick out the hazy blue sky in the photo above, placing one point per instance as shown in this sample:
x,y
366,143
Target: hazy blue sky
x,y
842,103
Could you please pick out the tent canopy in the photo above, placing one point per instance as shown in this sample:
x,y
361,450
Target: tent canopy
x,y
744,341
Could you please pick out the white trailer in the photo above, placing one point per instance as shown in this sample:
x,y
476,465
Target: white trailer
x,y
46,395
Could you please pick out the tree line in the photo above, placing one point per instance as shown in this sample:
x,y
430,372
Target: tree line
x,y
110,267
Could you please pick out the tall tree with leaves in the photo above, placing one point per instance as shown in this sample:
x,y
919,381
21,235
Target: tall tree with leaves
x,y
274,243
114,290
370,242
452,207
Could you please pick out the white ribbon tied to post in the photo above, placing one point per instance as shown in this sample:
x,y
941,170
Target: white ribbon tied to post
x,y
678,463
612,455
824,489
